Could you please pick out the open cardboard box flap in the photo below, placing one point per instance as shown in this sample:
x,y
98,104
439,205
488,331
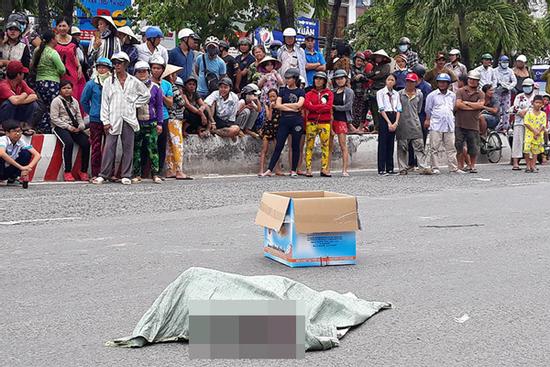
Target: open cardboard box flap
x,y
314,211
272,211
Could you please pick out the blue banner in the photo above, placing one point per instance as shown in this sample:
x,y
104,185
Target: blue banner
x,y
304,27
114,8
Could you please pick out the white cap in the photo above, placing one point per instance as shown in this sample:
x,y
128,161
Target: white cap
x,y
454,51
522,58
75,30
140,65
185,32
289,32
121,56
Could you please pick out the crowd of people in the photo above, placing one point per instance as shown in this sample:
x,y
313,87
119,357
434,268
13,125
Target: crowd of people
x,y
130,87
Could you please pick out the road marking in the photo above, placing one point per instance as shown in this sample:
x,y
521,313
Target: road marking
x,y
453,226
16,222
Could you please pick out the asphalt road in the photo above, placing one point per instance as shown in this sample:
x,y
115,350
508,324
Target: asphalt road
x,y
80,264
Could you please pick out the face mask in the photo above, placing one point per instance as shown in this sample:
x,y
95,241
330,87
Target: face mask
x,y
403,48
527,90
212,51
103,77
504,65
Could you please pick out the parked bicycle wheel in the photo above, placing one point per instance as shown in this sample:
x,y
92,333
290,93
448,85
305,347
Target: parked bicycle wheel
x,y
494,147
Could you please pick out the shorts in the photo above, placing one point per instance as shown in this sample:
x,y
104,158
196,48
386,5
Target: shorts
x,y
470,137
220,124
492,120
340,127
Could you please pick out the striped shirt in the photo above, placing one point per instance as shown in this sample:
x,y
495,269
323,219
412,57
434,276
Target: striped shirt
x,y
119,104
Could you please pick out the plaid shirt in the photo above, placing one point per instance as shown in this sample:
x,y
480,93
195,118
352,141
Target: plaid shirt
x,y
412,59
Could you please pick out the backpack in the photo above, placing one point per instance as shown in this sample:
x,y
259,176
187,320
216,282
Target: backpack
x,y
211,78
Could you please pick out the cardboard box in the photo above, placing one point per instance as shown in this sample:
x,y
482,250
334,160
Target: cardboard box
x,y
309,228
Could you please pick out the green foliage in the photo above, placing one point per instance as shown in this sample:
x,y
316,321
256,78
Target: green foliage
x,y
495,26
220,18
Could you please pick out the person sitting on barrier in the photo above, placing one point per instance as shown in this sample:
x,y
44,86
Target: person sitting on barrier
x,y
249,109
196,113
17,99
17,158
68,126
490,115
223,105
150,118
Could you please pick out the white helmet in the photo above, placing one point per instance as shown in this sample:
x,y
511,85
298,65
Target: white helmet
x,y
123,56
185,32
157,60
289,32
141,65
211,41
522,58
454,51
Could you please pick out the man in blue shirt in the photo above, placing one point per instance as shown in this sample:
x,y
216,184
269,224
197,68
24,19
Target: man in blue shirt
x,y
185,54
209,64
315,60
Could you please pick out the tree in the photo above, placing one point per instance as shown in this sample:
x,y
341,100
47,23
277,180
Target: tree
x,y
439,14
223,17
332,28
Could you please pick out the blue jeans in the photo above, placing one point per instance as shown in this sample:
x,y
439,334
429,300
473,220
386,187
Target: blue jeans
x,y
12,172
24,113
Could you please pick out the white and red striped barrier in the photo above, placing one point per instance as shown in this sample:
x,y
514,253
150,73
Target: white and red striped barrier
x,y
50,167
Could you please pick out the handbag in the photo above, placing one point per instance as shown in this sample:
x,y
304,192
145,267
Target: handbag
x,y
74,122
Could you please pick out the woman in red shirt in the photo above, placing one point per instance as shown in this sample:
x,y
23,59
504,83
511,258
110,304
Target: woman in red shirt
x,y
318,107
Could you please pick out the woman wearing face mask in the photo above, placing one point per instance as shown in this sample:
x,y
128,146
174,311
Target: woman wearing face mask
x,y
522,104
506,82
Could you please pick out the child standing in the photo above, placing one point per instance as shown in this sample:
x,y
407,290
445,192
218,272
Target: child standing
x,y
318,106
268,131
535,123
343,106
91,104
150,118
389,106
269,77
400,72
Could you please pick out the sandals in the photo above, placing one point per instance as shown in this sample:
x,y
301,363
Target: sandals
x,y
516,169
325,174
184,178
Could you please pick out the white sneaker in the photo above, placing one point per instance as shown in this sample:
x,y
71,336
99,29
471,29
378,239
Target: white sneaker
x,y
98,180
436,171
126,181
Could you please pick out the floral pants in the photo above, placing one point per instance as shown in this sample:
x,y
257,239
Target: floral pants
x,y
312,130
174,148
147,137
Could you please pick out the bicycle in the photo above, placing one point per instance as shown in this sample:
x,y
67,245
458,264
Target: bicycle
x,y
492,146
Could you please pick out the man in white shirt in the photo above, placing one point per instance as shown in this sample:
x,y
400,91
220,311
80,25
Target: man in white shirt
x,y
122,94
223,105
486,71
440,120
152,46
291,55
